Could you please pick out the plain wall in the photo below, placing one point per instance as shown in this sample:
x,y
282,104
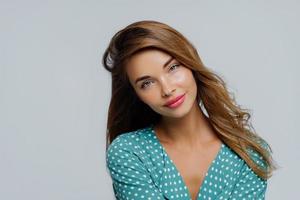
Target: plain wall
x,y
54,91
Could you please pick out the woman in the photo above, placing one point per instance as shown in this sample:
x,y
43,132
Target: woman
x,y
173,130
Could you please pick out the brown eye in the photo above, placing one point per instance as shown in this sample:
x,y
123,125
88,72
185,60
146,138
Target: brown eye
x,y
145,84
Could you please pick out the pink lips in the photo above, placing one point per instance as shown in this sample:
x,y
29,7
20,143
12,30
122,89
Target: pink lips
x,y
175,102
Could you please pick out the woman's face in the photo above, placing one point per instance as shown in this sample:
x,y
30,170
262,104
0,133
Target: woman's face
x,y
153,74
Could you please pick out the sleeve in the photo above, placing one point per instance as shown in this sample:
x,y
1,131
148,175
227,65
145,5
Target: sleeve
x,y
250,185
130,179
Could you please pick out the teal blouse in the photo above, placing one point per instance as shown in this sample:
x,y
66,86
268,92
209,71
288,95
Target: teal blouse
x,y
140,168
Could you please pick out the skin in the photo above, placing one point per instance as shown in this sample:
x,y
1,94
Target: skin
x,y
185,133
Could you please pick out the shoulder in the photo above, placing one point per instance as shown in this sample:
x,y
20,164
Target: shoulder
x,y
248,185
131,152
257,157
127,142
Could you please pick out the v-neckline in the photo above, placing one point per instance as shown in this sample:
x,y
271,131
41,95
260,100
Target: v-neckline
x,y
216,158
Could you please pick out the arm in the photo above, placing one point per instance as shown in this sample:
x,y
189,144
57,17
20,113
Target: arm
x,y
129,176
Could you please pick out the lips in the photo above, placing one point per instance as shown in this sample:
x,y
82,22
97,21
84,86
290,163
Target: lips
x,y
174,100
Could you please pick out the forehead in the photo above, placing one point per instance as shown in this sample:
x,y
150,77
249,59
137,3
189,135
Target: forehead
x,y
145,62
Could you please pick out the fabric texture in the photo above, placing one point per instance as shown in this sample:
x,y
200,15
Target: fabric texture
x,y
140,168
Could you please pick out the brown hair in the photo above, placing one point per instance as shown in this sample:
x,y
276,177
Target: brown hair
x,y
127,113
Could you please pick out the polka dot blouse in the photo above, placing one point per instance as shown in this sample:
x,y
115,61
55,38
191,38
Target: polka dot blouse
x,y
140,168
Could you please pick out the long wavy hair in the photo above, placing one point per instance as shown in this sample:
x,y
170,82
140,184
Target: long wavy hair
x,y
127,112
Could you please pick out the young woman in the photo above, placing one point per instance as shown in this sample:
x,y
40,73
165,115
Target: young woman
x,y
173,130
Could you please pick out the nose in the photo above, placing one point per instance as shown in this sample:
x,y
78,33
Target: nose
x,y
166,88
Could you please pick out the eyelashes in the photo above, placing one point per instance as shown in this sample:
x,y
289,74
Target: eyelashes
x,y
176,64
145,84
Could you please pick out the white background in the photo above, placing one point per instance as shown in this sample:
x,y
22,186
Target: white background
x,y
54,91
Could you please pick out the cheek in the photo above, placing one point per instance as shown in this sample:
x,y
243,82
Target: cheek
x,y
180,77
148,97
184,78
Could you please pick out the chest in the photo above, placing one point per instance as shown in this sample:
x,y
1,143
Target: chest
x,y
192,166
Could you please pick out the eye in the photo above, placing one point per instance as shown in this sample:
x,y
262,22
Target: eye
x,y
174,66
145,84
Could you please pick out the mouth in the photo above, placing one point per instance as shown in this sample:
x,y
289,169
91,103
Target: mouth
x,y
177,101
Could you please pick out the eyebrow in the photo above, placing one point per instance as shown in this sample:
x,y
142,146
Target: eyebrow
x,y
145,77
